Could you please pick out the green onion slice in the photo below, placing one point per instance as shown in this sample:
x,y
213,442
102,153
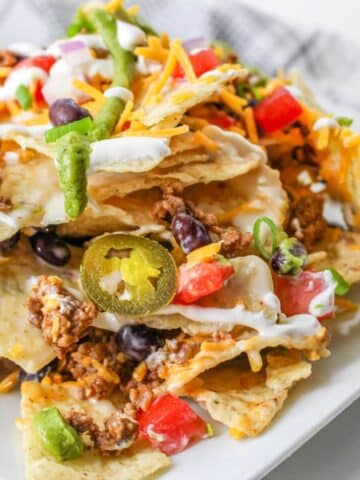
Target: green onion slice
x,y
24,97
342,286
257,236
80,126
344,121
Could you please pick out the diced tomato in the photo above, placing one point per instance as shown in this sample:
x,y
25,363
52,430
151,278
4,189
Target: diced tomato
x,y
38,95
296,293
202,61
126,126
171,425
277,111
197,280
45,62
223,120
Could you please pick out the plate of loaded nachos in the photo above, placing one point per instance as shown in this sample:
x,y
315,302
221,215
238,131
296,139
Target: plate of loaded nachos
x,y
169,266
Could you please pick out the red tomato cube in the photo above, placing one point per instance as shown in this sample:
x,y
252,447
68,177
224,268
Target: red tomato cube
x,y
197,280
296,293
45,62
202,61
277,111
223,120
171,425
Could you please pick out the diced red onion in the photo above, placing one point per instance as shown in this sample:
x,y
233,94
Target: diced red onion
x,y
197,43
75,52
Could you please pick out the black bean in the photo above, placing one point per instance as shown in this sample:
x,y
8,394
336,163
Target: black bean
x,y
189,232
10,243
289,258
138,341
66,110
48,246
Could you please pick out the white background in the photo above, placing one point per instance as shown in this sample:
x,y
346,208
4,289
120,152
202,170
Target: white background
x,y
334,454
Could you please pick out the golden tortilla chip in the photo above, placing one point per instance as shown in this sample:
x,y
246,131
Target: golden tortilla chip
x,y
245,401
20,341
185,95
213,353
343,254
135,463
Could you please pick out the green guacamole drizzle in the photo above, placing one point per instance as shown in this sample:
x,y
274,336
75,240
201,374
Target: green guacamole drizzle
x,y
73,150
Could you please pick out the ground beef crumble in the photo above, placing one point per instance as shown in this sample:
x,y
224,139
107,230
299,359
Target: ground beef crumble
x,y
119,432
62,318
307,222
235,243
98,365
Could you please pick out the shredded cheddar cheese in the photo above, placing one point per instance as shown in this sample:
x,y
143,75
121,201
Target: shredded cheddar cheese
x,y
232,101
179,98
184,61
125,116
168,132
323,138
157,54
89,90
204,141
251,125
133,10
4,72
113,5
165,40
204,253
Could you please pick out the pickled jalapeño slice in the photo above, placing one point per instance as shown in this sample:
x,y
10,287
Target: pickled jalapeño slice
x,y
128,275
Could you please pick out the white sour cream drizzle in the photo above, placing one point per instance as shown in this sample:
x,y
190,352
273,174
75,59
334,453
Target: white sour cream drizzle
x,y
22,76
323,303
31,130
265,324
325,122
146,66
119,92
128,154
129,36
270,323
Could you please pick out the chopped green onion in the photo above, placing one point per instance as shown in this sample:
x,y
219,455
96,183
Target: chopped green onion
x,y
257,236
24,97
80,24
342,286
80,126
344,121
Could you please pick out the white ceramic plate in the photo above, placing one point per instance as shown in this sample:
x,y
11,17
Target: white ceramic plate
x,y
311,405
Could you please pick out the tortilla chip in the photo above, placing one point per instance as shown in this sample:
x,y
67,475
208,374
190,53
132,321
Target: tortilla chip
x,y
213,353
241,200
190,93
221,166
246,401
343,254
20,341
135,463
33,190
